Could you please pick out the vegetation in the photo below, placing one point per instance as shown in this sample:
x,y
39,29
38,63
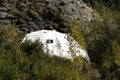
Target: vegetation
x,y
104,49
27,61
77,34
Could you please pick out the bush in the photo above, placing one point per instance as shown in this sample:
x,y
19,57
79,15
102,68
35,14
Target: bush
x,y
27,61
45,67
77,34
12,60
105,45
30,47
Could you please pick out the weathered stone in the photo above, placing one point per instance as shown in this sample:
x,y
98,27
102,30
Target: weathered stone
x,y
46,14
3,9
3,14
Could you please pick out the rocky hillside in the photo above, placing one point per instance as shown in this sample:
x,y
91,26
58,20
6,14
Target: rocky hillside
x,y
94,24
31,15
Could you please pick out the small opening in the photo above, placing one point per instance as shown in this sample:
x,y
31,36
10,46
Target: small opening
x,y
49,41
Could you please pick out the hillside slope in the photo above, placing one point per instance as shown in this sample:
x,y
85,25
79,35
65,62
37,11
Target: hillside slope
x,y
94,24
31,15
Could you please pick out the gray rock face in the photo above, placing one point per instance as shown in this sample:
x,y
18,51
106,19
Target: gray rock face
x,y
76,10
31,15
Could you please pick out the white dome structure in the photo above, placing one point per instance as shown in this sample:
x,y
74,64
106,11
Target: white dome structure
x,y
58,44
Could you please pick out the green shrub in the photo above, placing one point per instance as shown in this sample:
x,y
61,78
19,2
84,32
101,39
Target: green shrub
x,y
12,60
105,45
46,67
27,61
29,47
77,34
33,13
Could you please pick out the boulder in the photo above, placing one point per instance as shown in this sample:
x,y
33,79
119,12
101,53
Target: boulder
x,y
58,44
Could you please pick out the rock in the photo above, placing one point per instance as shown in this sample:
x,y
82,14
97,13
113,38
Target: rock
x,y
47,14
58,44
3,9
3,15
